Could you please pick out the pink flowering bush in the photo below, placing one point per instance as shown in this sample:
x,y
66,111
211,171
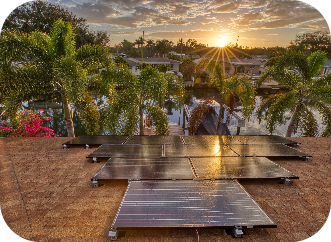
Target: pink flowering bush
x,y
30,126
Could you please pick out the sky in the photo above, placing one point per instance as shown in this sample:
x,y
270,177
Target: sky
x,y
258,23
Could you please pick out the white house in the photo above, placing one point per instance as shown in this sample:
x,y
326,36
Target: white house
x,y
135,62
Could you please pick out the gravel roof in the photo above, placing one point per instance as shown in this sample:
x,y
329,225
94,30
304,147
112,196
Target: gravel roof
x,y
45,195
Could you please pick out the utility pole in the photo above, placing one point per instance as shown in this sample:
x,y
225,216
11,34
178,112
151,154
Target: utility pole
x,y
142,54
181,48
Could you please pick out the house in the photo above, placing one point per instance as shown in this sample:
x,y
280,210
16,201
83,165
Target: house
x,y
135,62
235,66
326,68
263,59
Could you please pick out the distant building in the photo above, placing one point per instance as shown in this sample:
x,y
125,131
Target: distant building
x,y
135,62
234,66
326,68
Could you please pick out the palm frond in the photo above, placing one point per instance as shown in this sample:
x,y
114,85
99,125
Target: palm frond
x,y
92,57
295,62
316,61
242,87
307,122
325,110
322,81
158,119
62,39
321,93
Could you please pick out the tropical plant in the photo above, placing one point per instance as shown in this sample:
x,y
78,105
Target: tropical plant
x,y
51,64
27,124
298,72
197,114
230,88
163,46
139,95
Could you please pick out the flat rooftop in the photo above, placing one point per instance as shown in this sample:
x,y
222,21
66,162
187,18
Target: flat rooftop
x,y
45,195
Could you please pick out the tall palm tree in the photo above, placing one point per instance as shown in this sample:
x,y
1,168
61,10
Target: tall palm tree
x,y
230,88
297,71
163,46
150,45
143,94
51,63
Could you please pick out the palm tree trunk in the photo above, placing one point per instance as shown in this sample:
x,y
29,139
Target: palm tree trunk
x,y
141,121
67,117
293,121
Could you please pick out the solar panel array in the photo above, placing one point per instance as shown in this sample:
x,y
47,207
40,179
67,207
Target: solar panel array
x,y
189,181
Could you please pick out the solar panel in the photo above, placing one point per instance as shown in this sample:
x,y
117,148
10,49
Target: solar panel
x,y
154,140
107,151
238,168
145,168
189,204
264,139
210,140
267,150
146,151
97,140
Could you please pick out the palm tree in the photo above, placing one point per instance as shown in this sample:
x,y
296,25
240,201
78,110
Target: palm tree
x,y
163,46
140,42
297,71
51,63
230,88
143,94
150,45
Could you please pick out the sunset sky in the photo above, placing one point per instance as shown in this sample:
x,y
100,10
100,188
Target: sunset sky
x,y
258,23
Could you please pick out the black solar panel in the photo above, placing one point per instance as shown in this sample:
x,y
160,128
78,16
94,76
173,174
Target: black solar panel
x,y
189,204
264,139
267,150
145,168
238,168
210,140
97,140
154,140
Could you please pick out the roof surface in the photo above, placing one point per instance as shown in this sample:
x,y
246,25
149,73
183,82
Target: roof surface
x,y
45,195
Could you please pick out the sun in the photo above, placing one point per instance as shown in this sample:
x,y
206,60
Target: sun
x,y
221,42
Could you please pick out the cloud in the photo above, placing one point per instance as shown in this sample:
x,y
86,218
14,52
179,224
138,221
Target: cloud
x,y
278,14
228,8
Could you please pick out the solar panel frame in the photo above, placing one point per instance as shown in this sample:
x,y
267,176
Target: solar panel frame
x,y
189,204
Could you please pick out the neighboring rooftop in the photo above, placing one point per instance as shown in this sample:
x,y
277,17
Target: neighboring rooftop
x,y
162,60
45,195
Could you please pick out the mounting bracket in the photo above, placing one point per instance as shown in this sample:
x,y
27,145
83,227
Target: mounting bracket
x,y
112,234
237,231
287,181
95,160
64,146
87,146
95,184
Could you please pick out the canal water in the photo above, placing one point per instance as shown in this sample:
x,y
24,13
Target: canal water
x,y
176,115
